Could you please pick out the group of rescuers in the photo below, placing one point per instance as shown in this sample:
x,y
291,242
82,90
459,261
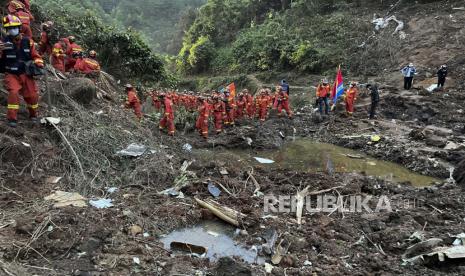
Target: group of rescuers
x,y
21,59
225,108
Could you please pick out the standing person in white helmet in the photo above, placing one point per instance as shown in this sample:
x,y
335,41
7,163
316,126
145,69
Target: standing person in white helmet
x,y
409,72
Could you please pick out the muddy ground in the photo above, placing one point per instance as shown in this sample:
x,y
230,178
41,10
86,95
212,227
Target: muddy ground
x,y
37,238
422,131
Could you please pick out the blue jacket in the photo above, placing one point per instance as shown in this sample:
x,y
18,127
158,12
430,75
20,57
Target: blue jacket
x,y
409,71
285,87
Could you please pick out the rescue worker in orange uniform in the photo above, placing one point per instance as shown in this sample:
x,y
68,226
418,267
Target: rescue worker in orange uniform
x,y
133,101
282,102
57,59
262,104
88,65
45,45
219,112
26,19
155,100
71,50
350,98
323,92
168,116
241,104
250,106
230,109
13,5
17,53
202,119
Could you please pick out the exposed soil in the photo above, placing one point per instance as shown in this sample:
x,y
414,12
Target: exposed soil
x,y
418,130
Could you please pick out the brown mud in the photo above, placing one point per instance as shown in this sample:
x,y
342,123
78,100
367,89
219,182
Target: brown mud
x,y
421,131
37,238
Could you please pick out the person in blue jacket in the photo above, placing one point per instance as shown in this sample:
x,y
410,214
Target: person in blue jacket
x,y
409,72
285,86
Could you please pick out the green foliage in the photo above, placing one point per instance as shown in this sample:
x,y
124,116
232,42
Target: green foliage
x,y
306,58
162,23
121,52
252,35
223,59
195,58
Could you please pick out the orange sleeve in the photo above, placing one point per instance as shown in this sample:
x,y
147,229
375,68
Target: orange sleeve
x,y
34,54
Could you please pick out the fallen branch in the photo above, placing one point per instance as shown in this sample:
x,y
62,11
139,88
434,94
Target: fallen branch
x,y
255,182
300,196
223,187
224,213
70,148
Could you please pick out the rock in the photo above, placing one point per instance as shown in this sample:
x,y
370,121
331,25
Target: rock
x,y
135,230
82,90
289,261
417,134
436,141
243,233
228,267
451,146
308,263
459,174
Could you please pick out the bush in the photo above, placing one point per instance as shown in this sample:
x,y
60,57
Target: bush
x,y
121,52
307,58
195,58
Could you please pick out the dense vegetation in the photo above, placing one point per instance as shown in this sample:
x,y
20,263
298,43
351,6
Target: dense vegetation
x,y
308,36
161,22
121,52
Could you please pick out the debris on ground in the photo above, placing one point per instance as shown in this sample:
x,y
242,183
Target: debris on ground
x,y
101,203
231,216
214,191
264,160
63,199
133,150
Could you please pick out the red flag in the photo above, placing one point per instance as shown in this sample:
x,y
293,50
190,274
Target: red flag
x,y
232,90
338,87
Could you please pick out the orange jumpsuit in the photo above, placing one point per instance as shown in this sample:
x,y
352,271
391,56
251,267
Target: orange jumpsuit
x,y
219,112
202,119
168,117
155,101
241,106
87,66
16,81
134,103
282,102
230,112
13,5
26,19
71,48
351,96
45,46
58,58
262,103
250,106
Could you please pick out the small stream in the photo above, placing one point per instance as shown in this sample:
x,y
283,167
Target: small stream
x,y
305,155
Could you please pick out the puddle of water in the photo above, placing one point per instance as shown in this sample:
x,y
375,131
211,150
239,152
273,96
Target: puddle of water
x,y
305,155
217,237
